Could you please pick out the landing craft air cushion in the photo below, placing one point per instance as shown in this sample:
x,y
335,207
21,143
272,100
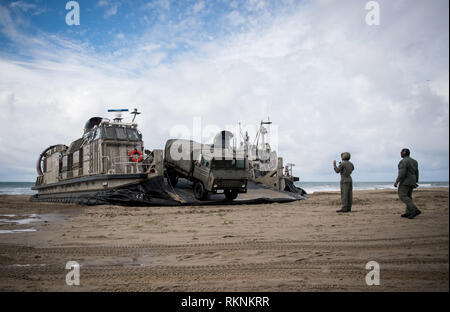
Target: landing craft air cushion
x,y
109,156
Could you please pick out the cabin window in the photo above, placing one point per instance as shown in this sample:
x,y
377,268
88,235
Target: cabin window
x,y
110,133
121,133
80,157
132,135
69,162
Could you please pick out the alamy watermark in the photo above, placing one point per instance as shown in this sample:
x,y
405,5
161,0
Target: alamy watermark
x,y
373,276
373,16
73,277
230,142
73,16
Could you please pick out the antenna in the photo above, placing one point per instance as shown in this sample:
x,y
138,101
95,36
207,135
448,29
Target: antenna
x,y
118,115
118,110
135,112
240,130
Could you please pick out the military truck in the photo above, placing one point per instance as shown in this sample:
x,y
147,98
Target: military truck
x,y
215,168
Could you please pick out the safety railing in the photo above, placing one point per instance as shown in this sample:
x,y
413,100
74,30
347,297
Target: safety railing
x,y
123,165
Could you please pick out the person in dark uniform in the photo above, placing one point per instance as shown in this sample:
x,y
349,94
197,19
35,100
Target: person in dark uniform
x,y
345,168
408,177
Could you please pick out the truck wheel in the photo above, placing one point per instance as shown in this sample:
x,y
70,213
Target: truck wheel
x,y
199,190
230,194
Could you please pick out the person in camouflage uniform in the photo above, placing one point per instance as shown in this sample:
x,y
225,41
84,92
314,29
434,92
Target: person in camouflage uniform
x,y
345,168
408,177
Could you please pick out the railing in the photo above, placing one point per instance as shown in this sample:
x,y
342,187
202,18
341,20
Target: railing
x,y
122,164
113,165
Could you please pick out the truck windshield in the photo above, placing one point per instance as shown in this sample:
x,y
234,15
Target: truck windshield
x,y
206,161
240,163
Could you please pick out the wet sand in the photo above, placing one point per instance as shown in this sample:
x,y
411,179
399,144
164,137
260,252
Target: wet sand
x,y
298,246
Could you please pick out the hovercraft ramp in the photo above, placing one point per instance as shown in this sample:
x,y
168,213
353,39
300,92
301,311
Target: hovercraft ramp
x,y
183,195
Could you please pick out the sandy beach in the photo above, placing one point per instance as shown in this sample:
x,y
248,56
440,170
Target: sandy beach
x,y
299,246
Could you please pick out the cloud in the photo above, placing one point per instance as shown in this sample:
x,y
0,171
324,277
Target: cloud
x,y
103,3
329,82
111,7
160,4
111,11
235,18
253,5
198,6
27,7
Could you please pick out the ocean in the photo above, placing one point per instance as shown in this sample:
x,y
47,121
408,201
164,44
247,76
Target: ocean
x,y
311,187
24,188
16,188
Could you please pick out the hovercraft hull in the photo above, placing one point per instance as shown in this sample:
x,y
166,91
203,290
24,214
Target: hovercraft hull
x,y
137,189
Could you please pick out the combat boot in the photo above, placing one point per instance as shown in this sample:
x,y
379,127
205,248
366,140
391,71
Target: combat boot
x,y
414,214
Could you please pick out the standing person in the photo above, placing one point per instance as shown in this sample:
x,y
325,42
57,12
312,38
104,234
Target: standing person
x,y
345,168
408,177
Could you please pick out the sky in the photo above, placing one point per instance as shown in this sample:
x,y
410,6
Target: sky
x,y
329,81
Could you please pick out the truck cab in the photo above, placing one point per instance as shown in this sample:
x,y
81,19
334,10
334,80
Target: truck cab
x,y
227,176
212,168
